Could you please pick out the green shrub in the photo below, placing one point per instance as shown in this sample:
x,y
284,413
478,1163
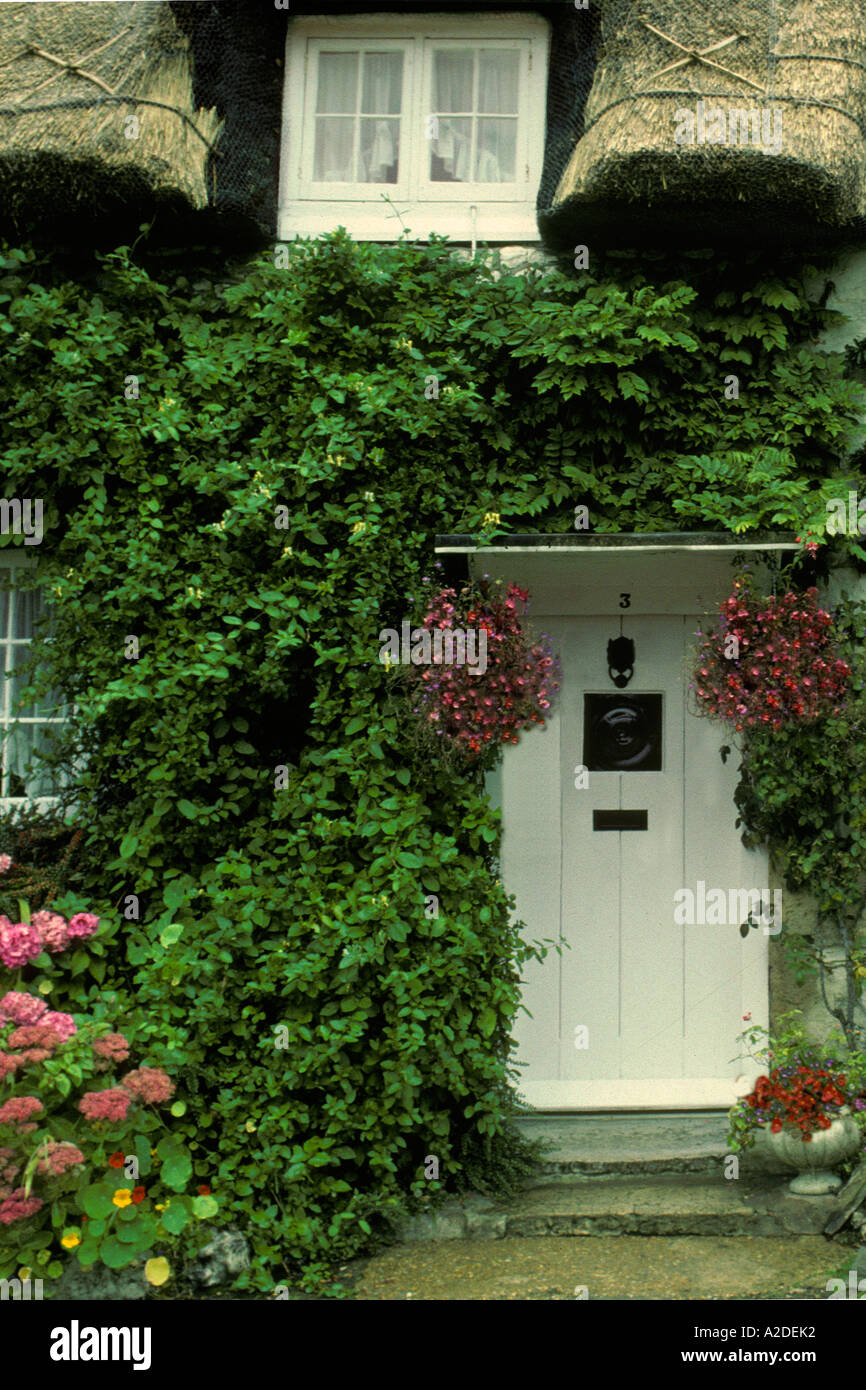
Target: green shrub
x,y
242,484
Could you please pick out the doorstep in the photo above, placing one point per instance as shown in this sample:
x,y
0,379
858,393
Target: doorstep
x,y
650,1204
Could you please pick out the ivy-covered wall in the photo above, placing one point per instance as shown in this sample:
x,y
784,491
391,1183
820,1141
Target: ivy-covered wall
x,y
244,470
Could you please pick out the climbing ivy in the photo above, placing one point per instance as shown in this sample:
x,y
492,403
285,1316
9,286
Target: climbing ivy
x,y
244,469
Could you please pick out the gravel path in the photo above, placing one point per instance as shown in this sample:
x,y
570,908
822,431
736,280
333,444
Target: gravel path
x,y
609,1267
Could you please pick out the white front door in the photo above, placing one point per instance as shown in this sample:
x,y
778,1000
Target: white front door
x,y
642,1007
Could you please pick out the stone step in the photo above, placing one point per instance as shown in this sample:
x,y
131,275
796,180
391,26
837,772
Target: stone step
x,y
644,1204
641,1143
663,1204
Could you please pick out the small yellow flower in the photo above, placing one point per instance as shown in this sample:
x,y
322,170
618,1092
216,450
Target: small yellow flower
x,y
122,1197
491,518
250,1127
369,497
358,527
153,1153
70,1240
160,1206
25,1272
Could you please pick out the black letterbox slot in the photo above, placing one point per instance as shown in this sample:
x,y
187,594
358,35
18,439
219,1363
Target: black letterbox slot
x,y
619,820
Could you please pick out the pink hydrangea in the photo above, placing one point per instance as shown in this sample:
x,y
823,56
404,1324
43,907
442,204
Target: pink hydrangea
x,y
83,924
20,1109
35,1035
53,930
19,943
21,1007
9,1065
111,1104
58,1158
110,1049
63,1024
17,1206
5,862
149,1084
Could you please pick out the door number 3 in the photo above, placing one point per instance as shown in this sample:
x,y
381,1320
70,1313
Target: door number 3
x,y
625,600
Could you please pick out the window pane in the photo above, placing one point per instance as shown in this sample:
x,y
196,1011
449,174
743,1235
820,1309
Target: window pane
x,y
451,154
497,147
497,81
378,155
4,612
18,746
383,83
335,140
17,683
338,82
452,80
26,609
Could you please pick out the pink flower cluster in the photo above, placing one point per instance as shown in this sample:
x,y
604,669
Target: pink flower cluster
x,y
17,1206
148,1085
516,690
58,1157
111,1104
21,1007
21,942
19,1112
770,662
37,1034
110,1049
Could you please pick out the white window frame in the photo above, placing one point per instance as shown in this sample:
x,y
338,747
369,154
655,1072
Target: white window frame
x,y
12,560
465,212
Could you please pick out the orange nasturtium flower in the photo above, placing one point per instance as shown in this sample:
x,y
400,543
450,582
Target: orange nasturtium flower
x,y
116,1160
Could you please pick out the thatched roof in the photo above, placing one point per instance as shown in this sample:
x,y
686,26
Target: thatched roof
x,y
754,105
96,103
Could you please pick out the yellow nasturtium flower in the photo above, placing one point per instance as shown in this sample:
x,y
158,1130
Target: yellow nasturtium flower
x,y
122,1197
70,1239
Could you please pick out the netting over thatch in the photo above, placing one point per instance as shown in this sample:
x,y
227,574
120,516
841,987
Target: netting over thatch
x,y
725,109
96,102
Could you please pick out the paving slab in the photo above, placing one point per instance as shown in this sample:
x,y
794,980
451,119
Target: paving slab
x,y
601,1268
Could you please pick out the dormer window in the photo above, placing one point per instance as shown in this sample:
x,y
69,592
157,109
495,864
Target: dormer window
x,y
431,122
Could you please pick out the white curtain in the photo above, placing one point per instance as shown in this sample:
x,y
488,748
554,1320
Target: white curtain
x,y
20,740
454,73
341,108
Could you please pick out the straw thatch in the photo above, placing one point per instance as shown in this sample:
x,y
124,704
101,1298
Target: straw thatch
x,y
96,104
726,102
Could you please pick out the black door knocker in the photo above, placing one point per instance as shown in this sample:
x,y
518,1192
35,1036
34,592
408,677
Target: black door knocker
x,y
620,659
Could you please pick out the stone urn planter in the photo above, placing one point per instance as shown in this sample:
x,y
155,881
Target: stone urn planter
x,y
816,1159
